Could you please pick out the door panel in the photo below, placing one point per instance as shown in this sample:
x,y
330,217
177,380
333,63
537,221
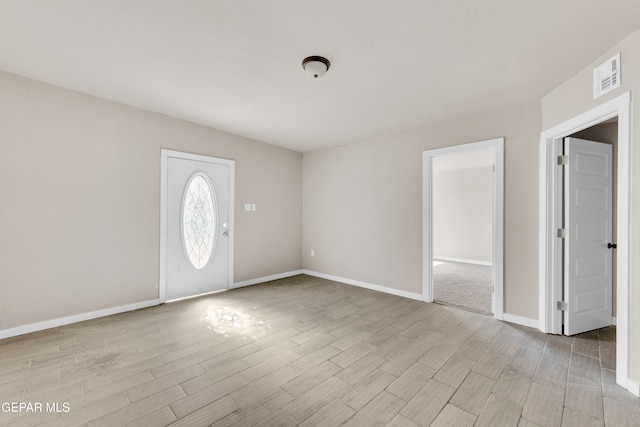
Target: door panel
x,y
588,218
197,227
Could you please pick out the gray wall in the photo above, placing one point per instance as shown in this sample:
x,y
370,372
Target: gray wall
x,y
80,197
363,204
463,213
575,97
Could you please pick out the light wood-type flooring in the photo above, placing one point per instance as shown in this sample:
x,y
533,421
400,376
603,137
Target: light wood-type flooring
x,y
307,351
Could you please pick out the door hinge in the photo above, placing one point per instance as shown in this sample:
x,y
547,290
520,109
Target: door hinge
x,y
562,306
562,233
563,160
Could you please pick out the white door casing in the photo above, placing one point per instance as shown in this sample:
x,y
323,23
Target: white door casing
x,y
588,183
203,264
550,258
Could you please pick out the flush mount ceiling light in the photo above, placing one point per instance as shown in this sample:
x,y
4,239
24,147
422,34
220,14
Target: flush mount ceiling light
x,y
316,66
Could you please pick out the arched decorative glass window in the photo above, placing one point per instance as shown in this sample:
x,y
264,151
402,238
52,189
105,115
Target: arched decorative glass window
x,y
199,220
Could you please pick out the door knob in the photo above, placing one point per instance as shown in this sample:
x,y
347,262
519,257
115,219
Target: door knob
x,y
611,246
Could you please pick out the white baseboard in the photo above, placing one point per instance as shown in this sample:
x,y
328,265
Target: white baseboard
x,y
462,260
386,290
633,387
54,323
520,320
266,279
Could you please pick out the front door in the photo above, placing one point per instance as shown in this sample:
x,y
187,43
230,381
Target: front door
x,y
197,225
588,186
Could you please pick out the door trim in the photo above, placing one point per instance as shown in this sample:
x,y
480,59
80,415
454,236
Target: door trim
x,y
550,274
164,177
498,218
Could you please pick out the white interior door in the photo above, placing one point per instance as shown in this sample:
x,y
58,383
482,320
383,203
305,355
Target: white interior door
x,y
588,217
197,227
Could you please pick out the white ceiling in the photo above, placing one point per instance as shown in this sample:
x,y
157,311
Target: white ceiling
x,y
235,65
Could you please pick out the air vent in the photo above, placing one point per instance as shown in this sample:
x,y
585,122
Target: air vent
x,y
606,77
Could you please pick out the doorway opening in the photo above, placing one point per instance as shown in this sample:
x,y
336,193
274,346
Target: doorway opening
x,y
463,227
462,195
552,262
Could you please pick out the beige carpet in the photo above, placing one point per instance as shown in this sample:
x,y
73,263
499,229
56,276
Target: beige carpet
x,y
462,285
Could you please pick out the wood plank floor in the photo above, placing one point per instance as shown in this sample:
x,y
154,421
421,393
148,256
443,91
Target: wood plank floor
x,y
307,351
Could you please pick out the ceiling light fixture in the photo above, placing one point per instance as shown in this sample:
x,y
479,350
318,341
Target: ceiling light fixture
x,y
316,66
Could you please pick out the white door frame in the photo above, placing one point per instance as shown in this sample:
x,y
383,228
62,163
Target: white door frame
x,y
550,255
497,145
164,179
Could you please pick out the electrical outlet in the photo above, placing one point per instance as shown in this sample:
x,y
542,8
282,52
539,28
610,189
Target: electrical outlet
x,y
313,253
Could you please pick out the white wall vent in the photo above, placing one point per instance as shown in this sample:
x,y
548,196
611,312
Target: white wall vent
x,y
606,77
